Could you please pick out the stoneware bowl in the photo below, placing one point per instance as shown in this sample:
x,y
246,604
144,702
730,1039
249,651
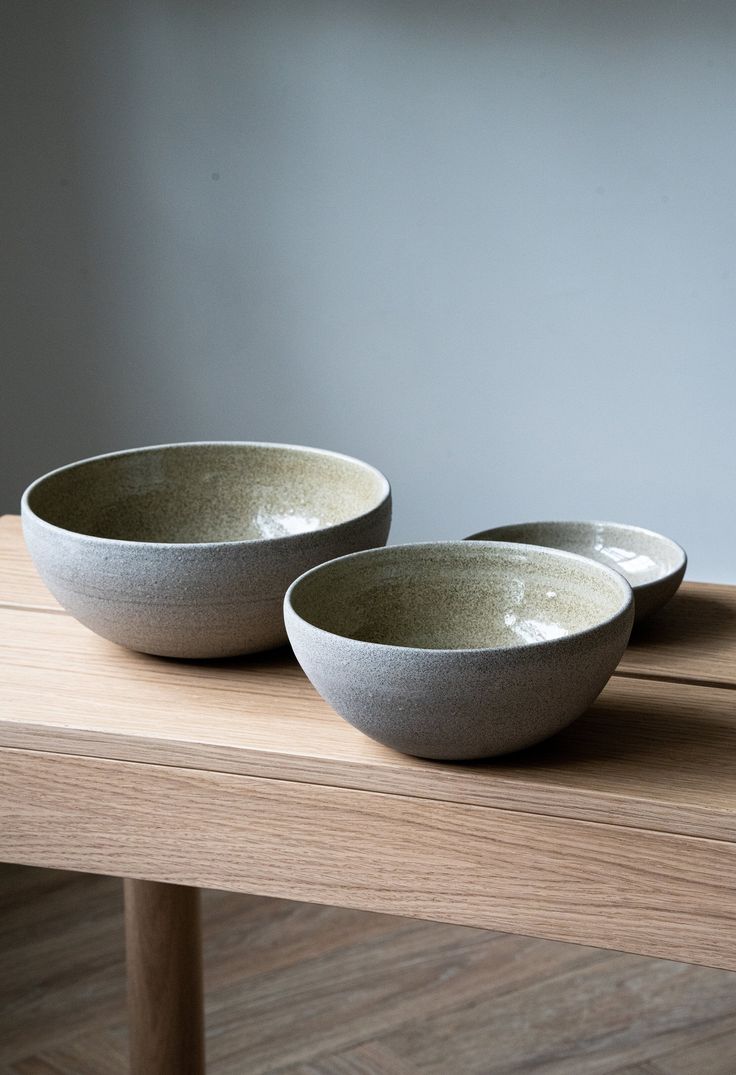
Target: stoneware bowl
x,y
652,564
459,650
186,550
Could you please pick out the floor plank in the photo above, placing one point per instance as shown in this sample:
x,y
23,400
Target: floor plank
x,y
593,1020
101,1052
295,989
712,1055
369,1059
647,1068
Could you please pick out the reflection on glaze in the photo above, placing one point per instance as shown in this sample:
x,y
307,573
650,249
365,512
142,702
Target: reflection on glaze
x,y
274,526
534,630
639,567
530,630
457,596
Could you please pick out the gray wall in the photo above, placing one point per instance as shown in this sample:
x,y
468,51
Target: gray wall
x,y
488,247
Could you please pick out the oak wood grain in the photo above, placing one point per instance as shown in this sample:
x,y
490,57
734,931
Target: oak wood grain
x,y
20,584
629,889
303,989
164,962
648,754
693,639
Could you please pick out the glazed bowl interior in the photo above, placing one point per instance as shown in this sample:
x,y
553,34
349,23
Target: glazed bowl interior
x,y
458,595
218,492
642,556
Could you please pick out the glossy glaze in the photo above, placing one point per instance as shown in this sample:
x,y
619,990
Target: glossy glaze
x,y
654,565
459,649
187,550
196,493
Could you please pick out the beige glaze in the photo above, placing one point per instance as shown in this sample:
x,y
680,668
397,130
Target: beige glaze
x,y
195,493
459,650
186,550
653,565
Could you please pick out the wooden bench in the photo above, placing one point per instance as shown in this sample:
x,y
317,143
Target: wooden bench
x,y
620,832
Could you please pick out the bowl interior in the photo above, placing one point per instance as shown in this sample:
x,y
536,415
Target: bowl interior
x,y
459,595
207,493
639,555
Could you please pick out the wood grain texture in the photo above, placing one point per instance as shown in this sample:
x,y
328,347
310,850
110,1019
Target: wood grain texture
x,y
97,1053
373,1058
648,754
693,639
299,989
20,585
61,958
164,962
628,889
583,1000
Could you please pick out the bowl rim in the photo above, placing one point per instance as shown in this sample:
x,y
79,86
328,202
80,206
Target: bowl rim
x,y
512,546
27,510
681,564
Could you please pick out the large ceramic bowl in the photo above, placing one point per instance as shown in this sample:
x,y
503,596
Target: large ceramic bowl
x,y
186,550
459,649
653,564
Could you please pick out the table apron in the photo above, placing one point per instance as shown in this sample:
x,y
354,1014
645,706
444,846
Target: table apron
x,y
635,890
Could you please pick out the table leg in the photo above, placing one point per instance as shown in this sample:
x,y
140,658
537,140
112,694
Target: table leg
x,y
164,954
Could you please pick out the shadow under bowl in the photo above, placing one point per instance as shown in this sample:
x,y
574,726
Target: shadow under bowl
x,y
186,550
652,564
459,650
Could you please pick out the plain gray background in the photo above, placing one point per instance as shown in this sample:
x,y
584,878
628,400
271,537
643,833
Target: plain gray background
x,y
488,247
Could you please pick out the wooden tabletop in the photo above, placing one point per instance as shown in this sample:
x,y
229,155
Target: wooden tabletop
x,y
620,831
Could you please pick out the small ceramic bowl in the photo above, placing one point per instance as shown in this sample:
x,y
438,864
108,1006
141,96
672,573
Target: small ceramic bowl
x,y
186,550
459,650
652,564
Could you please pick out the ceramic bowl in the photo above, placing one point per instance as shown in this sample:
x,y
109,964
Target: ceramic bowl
x,y
459,650
652,564
186,550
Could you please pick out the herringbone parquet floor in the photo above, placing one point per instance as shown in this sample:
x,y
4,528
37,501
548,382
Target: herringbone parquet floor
x,y
306,990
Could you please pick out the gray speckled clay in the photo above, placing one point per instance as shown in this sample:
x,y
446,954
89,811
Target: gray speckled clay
x,y
186,550
654,565
459,650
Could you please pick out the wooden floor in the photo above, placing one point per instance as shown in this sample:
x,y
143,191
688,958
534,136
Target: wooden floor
x,y
308,990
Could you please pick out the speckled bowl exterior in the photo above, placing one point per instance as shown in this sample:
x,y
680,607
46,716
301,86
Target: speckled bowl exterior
x,y
186,550
459,650
652,564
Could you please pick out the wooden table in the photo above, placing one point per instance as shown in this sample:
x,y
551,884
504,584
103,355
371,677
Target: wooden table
x,y
620,832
